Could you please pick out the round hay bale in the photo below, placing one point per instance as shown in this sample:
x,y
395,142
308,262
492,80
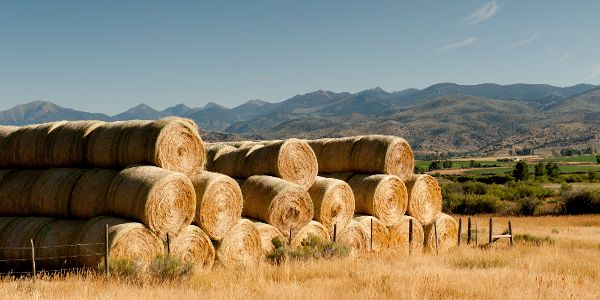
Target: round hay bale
x,y
56,242
163,200
171,143
399,235
229,160
16,192
3,173
241,247
267,234
126,240
382,196
219,203
335,155
292,160
27,145
194,246
447,231
5,132
65,145
383,154
424,198
90,195
354,237
313,228
278,202
333,202
51,193
380,232
213,152
15,242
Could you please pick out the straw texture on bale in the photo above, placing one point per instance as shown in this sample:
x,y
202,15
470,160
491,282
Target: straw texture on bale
x,y
52,241
334,155
399,236
447,231
51,193
27,145
126,239
213,151
313,228
354,236
383,196
163,200
193,245
5,132
267,234
170,143
383,154
16,192
219,203
230,160
380,232
241,247
278,202
90,195
333,202
15,241
65,145
424,198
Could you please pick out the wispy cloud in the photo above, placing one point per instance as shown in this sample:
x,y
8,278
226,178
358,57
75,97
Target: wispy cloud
x,y
454,44
525,41
483,13
594,72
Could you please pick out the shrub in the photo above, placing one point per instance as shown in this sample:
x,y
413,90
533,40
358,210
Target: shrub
x,y
123,268
527,206
581,202
476,204
533,240
169,268
311,248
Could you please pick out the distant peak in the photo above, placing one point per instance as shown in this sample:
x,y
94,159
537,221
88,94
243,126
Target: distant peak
x,y
142,107
256,102
212,105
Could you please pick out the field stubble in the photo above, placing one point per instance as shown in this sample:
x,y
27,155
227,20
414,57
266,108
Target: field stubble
x,y
568,267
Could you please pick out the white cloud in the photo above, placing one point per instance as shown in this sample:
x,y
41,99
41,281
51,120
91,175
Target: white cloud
x,y
485,12
524,41
594,72
454,44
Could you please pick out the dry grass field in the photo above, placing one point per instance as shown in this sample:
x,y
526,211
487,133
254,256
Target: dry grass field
x,y
566,265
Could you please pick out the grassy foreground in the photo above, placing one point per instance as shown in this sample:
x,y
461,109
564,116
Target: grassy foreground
x,y
559,259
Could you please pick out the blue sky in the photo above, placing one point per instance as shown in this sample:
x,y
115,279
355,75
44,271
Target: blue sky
x,y
108,56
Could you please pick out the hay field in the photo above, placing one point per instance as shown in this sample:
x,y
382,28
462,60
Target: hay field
x,y
569,268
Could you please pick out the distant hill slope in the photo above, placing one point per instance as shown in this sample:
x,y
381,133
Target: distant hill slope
x,y
586,102
44,111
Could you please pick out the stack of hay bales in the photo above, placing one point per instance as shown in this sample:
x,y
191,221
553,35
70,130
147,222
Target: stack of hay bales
x,y
61,183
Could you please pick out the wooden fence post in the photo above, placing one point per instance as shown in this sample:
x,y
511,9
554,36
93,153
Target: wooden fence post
x,y
476,234
459,230
435,236
410,236
371,234
334,232
469,231
490,240
106,262
168,244
510,232
290,240
33,260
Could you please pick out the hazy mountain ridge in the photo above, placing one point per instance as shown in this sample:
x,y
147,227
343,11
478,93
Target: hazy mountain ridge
x,y
442,117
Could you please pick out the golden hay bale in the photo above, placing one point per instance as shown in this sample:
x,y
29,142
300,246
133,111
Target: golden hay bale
x,y
3,173
278,202
383,154
380,232
163,200
335,155
213,152
27,145
241,247
424,198
354,236
229,160
219,203
15,241
447,232
5,132
333,202
126,240
170,143
194,246
313,228
267,234
292,160
90,195
16,192
399,236
56,242
383,196
51,193
65,145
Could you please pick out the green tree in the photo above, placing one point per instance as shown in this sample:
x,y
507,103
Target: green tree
x,y
552,170
435,165
521,171
540,170
598,159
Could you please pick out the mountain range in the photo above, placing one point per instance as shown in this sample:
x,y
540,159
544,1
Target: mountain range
x,y
488,117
